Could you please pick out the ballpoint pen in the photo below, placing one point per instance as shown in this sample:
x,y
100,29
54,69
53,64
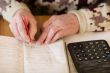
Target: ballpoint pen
x,y
26,27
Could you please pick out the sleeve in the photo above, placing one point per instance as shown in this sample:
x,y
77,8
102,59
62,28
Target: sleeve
x,y
9,7
97,19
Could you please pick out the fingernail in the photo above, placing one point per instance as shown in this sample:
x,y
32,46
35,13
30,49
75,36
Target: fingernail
x,y
32,37
46,42
21,41
38,43
28,40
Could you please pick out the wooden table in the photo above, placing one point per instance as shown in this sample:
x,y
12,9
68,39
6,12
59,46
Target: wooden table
x,y
4,28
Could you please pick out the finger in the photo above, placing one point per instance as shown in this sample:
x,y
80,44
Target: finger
x,y
58,35
48,22
32,28
52,32
43,36
14,30
21,29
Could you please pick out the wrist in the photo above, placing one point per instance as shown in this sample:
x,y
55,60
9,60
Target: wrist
x,y
82,20
75,22
12,9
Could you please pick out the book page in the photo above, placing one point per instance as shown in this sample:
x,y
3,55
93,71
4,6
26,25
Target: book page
x,y
11,55
46,58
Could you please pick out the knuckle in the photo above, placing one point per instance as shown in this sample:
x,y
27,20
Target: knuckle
x,y
54,29
59,22
53,17
35,30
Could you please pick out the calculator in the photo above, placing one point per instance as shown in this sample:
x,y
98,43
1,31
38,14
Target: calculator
x,y
90,56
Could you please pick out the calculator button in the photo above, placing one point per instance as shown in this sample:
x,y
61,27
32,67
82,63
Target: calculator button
x,y
82,51
103,56
74,46
105,60
97,57
92,46
104,45
77,52
96,42
107,52
94,50
96,53
78,55
79,59
84,55
91,57
99,61
88,50
100,49
105,48
86,47
80,46
90,54
102,42
85,58
91,43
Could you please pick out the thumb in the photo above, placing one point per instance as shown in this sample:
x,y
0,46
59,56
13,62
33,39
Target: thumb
x,y
32,29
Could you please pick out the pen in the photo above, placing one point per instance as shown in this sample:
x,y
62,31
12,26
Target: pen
x,y
26,27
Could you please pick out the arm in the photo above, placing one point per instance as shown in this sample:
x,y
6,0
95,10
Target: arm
x,y
13,11
96,19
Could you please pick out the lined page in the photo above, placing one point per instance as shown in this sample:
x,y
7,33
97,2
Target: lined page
x,y
11,56
45,59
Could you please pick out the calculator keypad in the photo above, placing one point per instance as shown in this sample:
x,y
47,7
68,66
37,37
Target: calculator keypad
x,y
91,54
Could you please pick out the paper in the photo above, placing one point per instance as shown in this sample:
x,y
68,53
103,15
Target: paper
x,y
23,58
46,58
11,59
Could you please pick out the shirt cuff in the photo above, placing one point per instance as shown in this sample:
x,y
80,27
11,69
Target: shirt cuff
x,y
81,19
12,9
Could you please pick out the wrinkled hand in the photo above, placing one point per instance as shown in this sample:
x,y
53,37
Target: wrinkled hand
x,y
57,27
18,28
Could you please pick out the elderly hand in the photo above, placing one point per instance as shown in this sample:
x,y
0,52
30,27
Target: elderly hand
x,y
57,27
18,27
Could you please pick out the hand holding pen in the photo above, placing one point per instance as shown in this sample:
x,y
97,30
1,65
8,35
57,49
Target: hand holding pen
x,y
19,26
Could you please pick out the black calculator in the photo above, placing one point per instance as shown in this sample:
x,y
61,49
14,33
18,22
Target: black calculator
x,y
90,56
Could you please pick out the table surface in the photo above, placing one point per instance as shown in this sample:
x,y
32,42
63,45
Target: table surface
x,y
4,26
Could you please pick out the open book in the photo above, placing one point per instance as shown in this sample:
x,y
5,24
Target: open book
x,y
23,58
